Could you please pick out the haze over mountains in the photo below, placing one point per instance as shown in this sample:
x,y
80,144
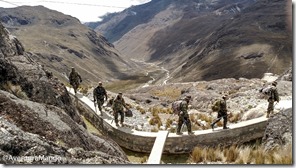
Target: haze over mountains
x,y
204,39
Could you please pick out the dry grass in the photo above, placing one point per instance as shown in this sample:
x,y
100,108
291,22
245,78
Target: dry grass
x,y
168,123
231,154
15,89
168,92
156,109
235,117
140,109
83,89
204,117
197,155
243,155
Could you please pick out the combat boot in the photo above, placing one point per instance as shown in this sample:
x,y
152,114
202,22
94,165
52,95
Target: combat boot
x,y
212,125
179,133
190,133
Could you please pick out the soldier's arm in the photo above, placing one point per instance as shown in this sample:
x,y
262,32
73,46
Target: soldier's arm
x,y
106,94
276,95
79,77
123,103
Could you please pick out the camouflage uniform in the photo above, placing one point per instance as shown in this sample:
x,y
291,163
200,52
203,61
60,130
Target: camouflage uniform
x,y
75,79
274,96
222,113
184,117
99,95
117,106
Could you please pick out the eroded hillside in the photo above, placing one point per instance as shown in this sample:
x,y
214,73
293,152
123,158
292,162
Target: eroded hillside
x,y
205,40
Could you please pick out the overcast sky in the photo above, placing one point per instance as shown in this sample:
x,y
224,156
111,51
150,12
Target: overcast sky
x,y
84,10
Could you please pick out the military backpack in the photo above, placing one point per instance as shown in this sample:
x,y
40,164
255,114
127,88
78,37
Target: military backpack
x,y
176,107
216,105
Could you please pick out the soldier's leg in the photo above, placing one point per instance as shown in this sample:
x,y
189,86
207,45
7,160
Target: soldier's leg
x,y
116,118
121,118
100,103
75,87
180,123
216,120
225,121
188,124
269,108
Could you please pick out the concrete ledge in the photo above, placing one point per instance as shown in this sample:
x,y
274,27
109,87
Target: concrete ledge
x,y
140,141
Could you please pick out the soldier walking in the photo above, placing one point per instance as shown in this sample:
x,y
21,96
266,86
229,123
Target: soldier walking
x,y
75,79
117,107
99,94
273,96
184,117
222,112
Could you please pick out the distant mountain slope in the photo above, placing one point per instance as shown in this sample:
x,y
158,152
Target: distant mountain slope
x,y
205,39
60,41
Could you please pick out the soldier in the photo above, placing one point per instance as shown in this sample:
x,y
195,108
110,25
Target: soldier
x,y
222,112
184,117
117,107
99,95
273,96
75,79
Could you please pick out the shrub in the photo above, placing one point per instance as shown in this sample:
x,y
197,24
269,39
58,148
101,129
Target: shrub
x,y
197,155
155,120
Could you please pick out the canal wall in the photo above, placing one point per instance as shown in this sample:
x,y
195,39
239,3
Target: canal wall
x,y
140,141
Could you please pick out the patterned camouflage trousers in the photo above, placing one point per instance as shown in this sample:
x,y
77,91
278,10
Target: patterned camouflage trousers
x,y
270,107
182,119
100,103
121,116
219,117
75,87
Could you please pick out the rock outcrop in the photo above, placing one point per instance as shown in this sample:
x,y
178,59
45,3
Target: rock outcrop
x,y
279,131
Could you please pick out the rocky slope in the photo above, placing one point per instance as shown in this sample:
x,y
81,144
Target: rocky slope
x,y
60,41
39,118
205,40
